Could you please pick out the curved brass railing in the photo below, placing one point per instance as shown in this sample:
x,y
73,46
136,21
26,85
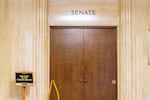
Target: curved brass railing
x,y
52,83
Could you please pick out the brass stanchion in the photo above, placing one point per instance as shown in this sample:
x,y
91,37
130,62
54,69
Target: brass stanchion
x,y
23,93
52,83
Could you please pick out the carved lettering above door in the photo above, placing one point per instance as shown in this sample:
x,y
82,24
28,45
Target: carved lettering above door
x,y
83,12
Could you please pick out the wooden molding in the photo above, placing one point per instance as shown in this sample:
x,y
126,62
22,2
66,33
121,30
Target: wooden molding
x,y
125,51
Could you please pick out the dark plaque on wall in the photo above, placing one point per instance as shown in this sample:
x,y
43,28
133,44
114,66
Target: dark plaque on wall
x,y
24,78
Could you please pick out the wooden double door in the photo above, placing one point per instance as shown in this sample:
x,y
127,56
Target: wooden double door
x,y
83,63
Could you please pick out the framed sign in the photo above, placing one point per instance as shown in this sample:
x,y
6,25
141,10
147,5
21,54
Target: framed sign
x,y
24,78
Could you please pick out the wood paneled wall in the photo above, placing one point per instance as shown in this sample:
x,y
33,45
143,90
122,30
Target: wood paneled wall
x,y
140,68
24,46
133,58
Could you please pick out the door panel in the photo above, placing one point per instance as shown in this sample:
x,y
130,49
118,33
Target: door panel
x,y
66,62
100,63
83,63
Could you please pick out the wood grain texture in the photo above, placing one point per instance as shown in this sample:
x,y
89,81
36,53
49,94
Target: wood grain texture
x,y
83,63
66,62
24,47
140,69
101,64
133,60
125,51
106,13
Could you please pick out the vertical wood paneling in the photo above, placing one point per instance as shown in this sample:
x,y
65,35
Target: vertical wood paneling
x,y
141,69
134,28
125,51
3,12
5,63
42,46
5,52
24,47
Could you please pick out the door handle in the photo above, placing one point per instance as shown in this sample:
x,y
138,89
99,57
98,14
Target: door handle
x,y
114,82
81,80
85,80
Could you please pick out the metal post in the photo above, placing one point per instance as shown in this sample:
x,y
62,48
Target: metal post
x,y
23,93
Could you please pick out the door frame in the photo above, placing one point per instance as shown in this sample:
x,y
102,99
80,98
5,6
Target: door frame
x,y
96,27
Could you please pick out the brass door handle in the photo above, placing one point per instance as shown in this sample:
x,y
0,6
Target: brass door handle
x,y
81,80
85,80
